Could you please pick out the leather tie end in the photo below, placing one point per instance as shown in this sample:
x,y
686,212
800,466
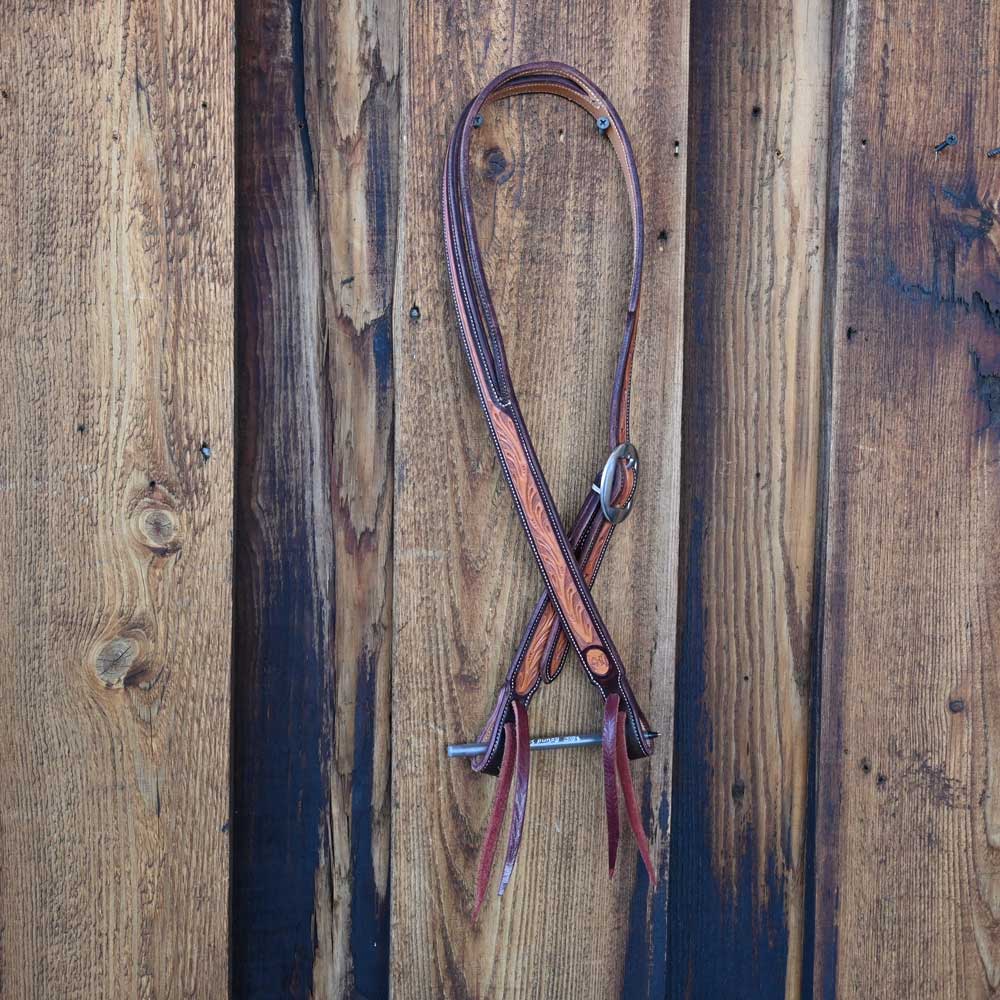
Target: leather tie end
x,y
631,803
522,764
611,731
496,821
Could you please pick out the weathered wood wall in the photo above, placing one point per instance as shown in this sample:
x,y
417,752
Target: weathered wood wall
x,y
231,781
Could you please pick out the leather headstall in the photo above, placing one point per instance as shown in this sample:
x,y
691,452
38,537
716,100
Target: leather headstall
x,y
565,616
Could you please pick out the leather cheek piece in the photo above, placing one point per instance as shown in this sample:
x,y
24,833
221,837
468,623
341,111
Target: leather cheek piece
x,y
565,617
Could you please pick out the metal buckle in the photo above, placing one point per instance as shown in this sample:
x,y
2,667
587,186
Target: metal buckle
x,y
604,484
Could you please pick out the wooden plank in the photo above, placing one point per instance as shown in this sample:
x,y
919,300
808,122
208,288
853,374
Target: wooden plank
x,y
116,291
554,224
317,161
907,860
756,212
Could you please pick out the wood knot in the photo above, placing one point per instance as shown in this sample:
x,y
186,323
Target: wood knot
x,y
116,661
154,523
159,528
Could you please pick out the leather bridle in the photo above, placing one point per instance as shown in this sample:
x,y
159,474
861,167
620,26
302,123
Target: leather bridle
x,y
565,615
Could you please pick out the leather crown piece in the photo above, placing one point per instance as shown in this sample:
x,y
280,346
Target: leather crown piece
x,y
565,615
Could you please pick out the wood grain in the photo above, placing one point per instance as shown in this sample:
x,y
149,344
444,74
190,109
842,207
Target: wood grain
x,y
554,223
317,161
753,326
907,894
116,291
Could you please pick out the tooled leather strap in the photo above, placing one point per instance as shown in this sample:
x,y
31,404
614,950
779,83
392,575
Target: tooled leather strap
x,y
565,616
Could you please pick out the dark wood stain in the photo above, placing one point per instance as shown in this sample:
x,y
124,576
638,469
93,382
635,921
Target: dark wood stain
x,y
281,614
750,472
314,304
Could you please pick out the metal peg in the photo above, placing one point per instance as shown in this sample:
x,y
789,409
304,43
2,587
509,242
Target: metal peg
x,y
542,743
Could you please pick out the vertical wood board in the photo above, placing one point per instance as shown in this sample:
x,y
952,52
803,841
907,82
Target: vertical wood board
x,y
554,224
753,326
116,466
907,896
317,161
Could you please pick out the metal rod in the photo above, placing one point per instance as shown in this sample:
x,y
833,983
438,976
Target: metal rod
x,y
543,743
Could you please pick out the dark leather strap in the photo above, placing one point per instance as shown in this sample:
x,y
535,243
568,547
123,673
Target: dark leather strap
x,y
565,616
